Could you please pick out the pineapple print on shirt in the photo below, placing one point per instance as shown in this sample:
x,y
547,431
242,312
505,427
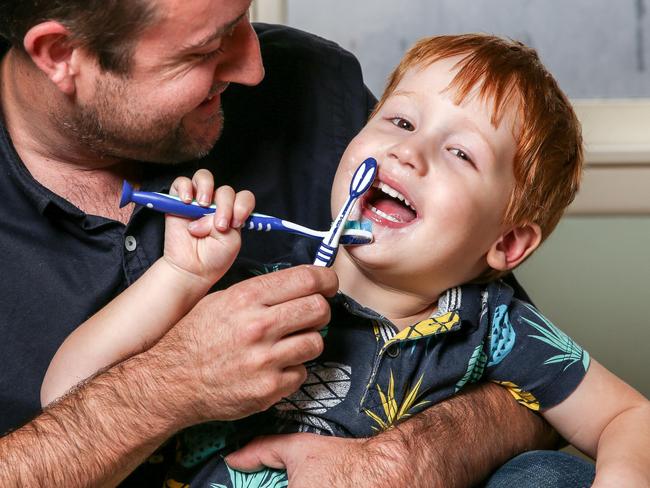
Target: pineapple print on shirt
x,y
326,386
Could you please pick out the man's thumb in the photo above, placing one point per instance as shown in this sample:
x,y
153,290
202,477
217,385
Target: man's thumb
x,y
260,452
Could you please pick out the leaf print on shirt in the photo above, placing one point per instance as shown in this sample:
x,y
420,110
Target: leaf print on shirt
x,y
267,478
394,412
526,398
169,483
475,367
570,352
425,328
199,442
502,335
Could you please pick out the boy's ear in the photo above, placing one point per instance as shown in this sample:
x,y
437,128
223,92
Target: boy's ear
x,y
49,45
512,247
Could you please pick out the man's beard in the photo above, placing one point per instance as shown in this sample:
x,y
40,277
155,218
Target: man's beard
x,y
110,127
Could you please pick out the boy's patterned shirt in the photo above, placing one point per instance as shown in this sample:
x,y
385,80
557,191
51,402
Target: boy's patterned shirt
x,y
371,375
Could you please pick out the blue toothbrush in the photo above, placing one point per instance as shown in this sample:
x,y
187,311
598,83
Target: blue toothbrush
x,y
354,234
361,181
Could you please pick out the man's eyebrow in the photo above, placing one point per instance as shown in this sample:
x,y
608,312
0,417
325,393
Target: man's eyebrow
x,y
215,35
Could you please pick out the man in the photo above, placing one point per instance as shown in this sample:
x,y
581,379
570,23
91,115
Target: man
x,y
92,92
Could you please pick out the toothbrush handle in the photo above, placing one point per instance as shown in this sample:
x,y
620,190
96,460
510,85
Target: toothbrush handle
x,y
257,221
265,223
326,252
171,205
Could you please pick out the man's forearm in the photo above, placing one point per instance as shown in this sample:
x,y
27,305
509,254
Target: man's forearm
x,y
94,436
218,363
457,442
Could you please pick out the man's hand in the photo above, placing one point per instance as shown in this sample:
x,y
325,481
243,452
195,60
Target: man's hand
x,y
456,443
314,460
241,350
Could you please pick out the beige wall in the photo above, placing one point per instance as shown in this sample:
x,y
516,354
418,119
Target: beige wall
x,y
617,141
592,279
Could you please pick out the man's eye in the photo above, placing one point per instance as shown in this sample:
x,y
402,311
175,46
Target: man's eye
x,y
402,123
460,154
208,56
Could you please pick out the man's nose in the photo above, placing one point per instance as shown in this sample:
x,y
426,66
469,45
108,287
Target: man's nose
x,y
242,61
411,152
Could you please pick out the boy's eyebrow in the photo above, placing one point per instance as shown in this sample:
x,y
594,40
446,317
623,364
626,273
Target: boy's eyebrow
x,y
477,130
403,93
215,35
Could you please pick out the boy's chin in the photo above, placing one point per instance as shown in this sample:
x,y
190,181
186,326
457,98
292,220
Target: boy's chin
x,y
367,257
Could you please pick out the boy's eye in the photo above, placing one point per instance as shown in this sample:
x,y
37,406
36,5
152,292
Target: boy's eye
x,y
460,154
402,123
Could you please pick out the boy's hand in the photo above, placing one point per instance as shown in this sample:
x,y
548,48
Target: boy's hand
x,y
207,247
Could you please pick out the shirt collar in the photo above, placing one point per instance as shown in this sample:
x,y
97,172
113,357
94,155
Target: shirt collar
x,y
461,307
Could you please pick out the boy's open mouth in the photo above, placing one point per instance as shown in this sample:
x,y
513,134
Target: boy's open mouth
x,y
387,206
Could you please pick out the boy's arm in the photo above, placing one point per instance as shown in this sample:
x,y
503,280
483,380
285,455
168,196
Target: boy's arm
x,y
195,256
457,442
129,324
608,420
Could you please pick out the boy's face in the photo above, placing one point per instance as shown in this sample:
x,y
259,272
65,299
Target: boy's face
x,y
453,167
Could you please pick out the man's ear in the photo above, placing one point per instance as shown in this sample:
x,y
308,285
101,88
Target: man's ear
x,y
49,46
512,247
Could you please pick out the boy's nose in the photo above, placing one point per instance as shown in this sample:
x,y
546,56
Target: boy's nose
x,y
242,60
410,153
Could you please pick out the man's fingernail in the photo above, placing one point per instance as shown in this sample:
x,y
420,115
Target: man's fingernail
x,y
222,223
236,224
193,225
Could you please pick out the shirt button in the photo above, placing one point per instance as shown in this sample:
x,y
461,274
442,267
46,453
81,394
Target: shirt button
x,y
130,243
393,350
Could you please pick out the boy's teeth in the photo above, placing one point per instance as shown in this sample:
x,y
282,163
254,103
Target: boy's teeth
x,y
394,193
384,214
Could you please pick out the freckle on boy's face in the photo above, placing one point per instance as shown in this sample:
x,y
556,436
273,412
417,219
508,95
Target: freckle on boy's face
x,y
452,166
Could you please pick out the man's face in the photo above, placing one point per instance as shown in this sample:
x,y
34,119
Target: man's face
x,y
452,166
168,109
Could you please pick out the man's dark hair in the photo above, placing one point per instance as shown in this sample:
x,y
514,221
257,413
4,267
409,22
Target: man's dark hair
x,y
106,28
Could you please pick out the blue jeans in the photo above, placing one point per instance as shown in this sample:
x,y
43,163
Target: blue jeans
x,y
543,469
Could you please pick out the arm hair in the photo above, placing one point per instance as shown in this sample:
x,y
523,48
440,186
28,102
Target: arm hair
x,y
97,433
456,443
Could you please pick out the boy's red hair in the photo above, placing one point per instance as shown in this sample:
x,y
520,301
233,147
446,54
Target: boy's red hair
x,y
548,160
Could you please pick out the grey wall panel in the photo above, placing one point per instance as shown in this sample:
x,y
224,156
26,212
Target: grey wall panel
x,y
595,48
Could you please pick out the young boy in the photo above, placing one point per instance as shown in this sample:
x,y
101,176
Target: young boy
x,y
479,153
